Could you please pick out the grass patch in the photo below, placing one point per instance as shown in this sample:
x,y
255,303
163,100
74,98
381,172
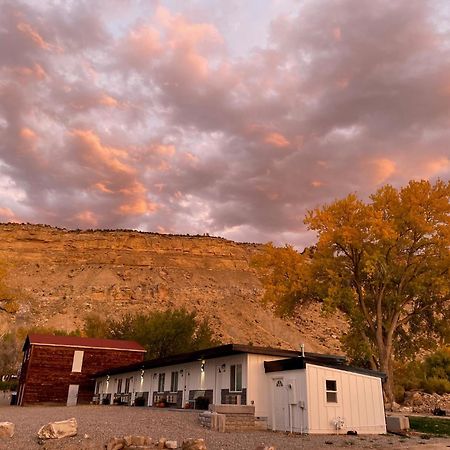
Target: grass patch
x,y
430,425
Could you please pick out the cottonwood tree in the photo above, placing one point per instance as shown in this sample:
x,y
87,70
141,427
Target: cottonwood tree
x,y
161,333
386,264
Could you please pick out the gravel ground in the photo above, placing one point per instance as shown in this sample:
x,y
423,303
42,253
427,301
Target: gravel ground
x,y
96,424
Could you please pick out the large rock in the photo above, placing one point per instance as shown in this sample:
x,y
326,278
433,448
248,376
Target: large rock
x,y
58,430
6,429
194,444
397,424
171,444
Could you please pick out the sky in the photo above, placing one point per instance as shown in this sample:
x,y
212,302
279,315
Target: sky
x,y
232,118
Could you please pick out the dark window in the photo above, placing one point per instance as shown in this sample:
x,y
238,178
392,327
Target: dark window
x,y
161,381
236,378
331,390
127,385
119,386
174,382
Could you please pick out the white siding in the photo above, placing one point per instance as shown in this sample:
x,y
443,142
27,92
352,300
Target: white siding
x,y
298,415
360,402
258,384
192,377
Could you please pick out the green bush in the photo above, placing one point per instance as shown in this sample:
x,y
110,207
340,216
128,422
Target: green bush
x,y
9,385
438,385
432,374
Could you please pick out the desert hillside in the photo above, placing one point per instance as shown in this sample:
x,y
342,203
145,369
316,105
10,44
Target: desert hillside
x,y
61,276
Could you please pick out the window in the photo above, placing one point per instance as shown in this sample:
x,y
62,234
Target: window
x,y
174,382
98,387
236,378
77,362
331,390
119,386
127,385
161,381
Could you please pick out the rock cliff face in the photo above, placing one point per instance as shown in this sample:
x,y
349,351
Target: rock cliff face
x,y
61,276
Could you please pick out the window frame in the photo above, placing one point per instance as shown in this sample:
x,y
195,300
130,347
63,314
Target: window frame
x,y
161,382
174,381
77,361
331,392
235,376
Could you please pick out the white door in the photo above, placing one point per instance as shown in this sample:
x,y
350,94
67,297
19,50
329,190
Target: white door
x,y
280,412
186,387
220,383
72,396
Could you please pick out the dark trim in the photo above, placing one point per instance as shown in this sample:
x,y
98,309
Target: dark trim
x,y
301,362
214,352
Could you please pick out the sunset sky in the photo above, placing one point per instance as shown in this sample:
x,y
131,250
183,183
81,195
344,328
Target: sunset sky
x,y
225,117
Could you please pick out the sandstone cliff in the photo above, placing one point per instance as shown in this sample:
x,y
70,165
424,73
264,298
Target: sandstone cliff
x,y
62,276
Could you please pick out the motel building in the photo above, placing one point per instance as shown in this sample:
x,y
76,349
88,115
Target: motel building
x,y
290,391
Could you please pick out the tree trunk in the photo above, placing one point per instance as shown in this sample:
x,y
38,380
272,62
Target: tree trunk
x,y
388,385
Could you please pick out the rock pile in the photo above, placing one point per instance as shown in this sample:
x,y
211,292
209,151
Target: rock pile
x,y
421,402
147,443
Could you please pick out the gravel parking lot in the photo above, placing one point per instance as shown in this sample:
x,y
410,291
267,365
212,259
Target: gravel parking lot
x,y
96,424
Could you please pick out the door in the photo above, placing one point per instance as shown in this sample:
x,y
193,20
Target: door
x,y
280,411
186,387
72,396
220,383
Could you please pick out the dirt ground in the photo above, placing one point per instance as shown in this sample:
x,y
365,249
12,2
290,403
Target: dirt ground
x,y
96,424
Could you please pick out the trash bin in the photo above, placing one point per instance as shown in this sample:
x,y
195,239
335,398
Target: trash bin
x,y
13,398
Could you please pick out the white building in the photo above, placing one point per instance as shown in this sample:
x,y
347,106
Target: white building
x,y
311,393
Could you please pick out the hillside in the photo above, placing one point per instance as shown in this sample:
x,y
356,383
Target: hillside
x,y
61,276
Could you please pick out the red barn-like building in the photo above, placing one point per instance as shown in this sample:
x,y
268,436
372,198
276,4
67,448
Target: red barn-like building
x,y
59,369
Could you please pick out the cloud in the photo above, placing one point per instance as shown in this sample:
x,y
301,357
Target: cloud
x,y
151,117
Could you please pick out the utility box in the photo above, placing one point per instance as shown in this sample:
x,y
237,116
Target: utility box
x,y
293,394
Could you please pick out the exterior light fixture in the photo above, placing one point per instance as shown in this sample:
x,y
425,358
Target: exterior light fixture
x,y
142,373
202,366
107,378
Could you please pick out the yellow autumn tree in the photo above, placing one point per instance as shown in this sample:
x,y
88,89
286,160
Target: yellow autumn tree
x,y
386,264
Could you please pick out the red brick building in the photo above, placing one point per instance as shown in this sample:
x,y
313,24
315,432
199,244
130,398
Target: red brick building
x,y
59,369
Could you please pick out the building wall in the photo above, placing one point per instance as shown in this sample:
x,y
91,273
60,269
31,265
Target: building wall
x,y
295,415
47,373
258,384
359,402
214,380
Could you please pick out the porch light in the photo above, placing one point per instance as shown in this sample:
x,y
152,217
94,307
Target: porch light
x,y
202,366
142,373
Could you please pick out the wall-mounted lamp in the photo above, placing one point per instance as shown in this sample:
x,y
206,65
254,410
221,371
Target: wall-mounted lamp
x,y
181,372
107,378
142,373
202,366
155,375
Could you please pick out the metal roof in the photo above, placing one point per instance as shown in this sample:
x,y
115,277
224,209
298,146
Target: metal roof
x,y
81,342
213,352
318,360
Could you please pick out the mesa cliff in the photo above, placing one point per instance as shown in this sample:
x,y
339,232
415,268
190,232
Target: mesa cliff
x,y
60,276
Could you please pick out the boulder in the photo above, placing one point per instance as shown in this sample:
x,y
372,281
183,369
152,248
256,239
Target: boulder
x,y
265,447
171,444
397,424
58,430
161,443
6,429
115,443
194,444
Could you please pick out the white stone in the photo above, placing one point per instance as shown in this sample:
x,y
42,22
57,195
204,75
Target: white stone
x,y
6,429
171,444
58,430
